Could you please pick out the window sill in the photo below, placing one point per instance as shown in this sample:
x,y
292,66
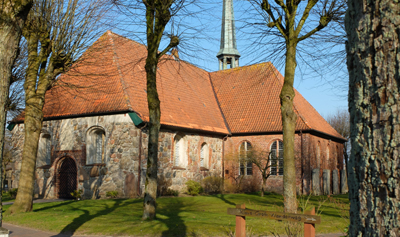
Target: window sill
x,y
203,169
96,164
44,167
178,168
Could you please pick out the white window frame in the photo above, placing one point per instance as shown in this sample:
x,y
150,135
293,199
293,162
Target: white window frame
x,y
180,156
204,155
44,150
95,145
276,156
244,170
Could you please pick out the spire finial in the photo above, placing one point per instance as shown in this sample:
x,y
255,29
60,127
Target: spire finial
x,y
228,53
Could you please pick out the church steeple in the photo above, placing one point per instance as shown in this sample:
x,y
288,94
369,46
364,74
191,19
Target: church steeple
x,y
228,53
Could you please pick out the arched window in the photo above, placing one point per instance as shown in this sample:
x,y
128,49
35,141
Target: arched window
x,y
44,151
318,154
246,166
95,146
204,155
180,157
327,157
277,158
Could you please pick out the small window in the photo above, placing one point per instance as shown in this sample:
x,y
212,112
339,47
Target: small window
x,y
44,151
327,157
204,155
180,158
318,154
246,166
276,158
95,146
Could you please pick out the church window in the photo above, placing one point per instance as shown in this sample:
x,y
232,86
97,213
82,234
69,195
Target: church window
x,y
204,155
246,166
327,157
276,158
44,151
95,146
180,158
318,154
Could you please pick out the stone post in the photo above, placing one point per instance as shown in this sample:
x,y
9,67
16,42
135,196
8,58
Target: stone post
x,y
343,182
335,181
4,232
326,176
315,182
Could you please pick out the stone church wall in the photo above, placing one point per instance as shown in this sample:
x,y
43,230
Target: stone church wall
x,y
123,163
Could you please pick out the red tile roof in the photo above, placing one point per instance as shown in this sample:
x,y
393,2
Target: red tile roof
x,y
249,99
110,77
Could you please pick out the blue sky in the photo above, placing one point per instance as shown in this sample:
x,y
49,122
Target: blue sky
x,y
319,78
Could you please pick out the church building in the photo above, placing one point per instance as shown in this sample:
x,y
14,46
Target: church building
x,y
95,135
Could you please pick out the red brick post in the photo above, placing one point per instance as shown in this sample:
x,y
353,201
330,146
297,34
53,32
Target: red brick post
x,y
309,229
241,222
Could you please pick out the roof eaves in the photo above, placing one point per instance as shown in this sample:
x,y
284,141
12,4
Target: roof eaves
x,y
317,132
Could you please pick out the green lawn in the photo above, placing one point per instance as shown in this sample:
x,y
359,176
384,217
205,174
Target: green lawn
x,y
176,216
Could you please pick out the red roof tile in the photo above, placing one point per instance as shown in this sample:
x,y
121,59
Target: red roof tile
x,y
110,77
249,99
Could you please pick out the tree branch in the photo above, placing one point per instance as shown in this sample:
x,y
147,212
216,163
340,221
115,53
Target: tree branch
x,y
275,22
306,13
323,22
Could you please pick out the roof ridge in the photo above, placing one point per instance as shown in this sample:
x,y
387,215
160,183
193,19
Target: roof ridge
x,y
116,60
237,68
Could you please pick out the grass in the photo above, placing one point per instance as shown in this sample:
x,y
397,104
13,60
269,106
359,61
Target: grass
x,y
6,197
176,216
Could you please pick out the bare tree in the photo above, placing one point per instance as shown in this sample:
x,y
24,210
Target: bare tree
x,y
13,14
340,121
292,21
265,161
158,15
373,59
55,31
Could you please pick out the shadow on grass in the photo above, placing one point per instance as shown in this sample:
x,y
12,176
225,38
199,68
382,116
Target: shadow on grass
x,y
58,204
222,197
174,222
70,229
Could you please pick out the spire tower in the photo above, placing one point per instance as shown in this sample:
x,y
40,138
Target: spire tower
x,y
228,53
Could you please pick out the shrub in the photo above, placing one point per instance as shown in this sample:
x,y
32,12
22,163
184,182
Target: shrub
x,y
212,184
77,194
13,192
193,188
112,194
171,192
230,187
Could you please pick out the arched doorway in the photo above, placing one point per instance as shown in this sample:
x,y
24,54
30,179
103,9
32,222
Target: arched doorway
x,y
67,174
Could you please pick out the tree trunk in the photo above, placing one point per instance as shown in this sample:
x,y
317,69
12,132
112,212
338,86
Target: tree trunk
x,y
12,17
149,203
289,123
373,60
264,180
35,89
32,125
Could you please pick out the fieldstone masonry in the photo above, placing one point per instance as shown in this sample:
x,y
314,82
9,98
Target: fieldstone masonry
x,y
123,165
